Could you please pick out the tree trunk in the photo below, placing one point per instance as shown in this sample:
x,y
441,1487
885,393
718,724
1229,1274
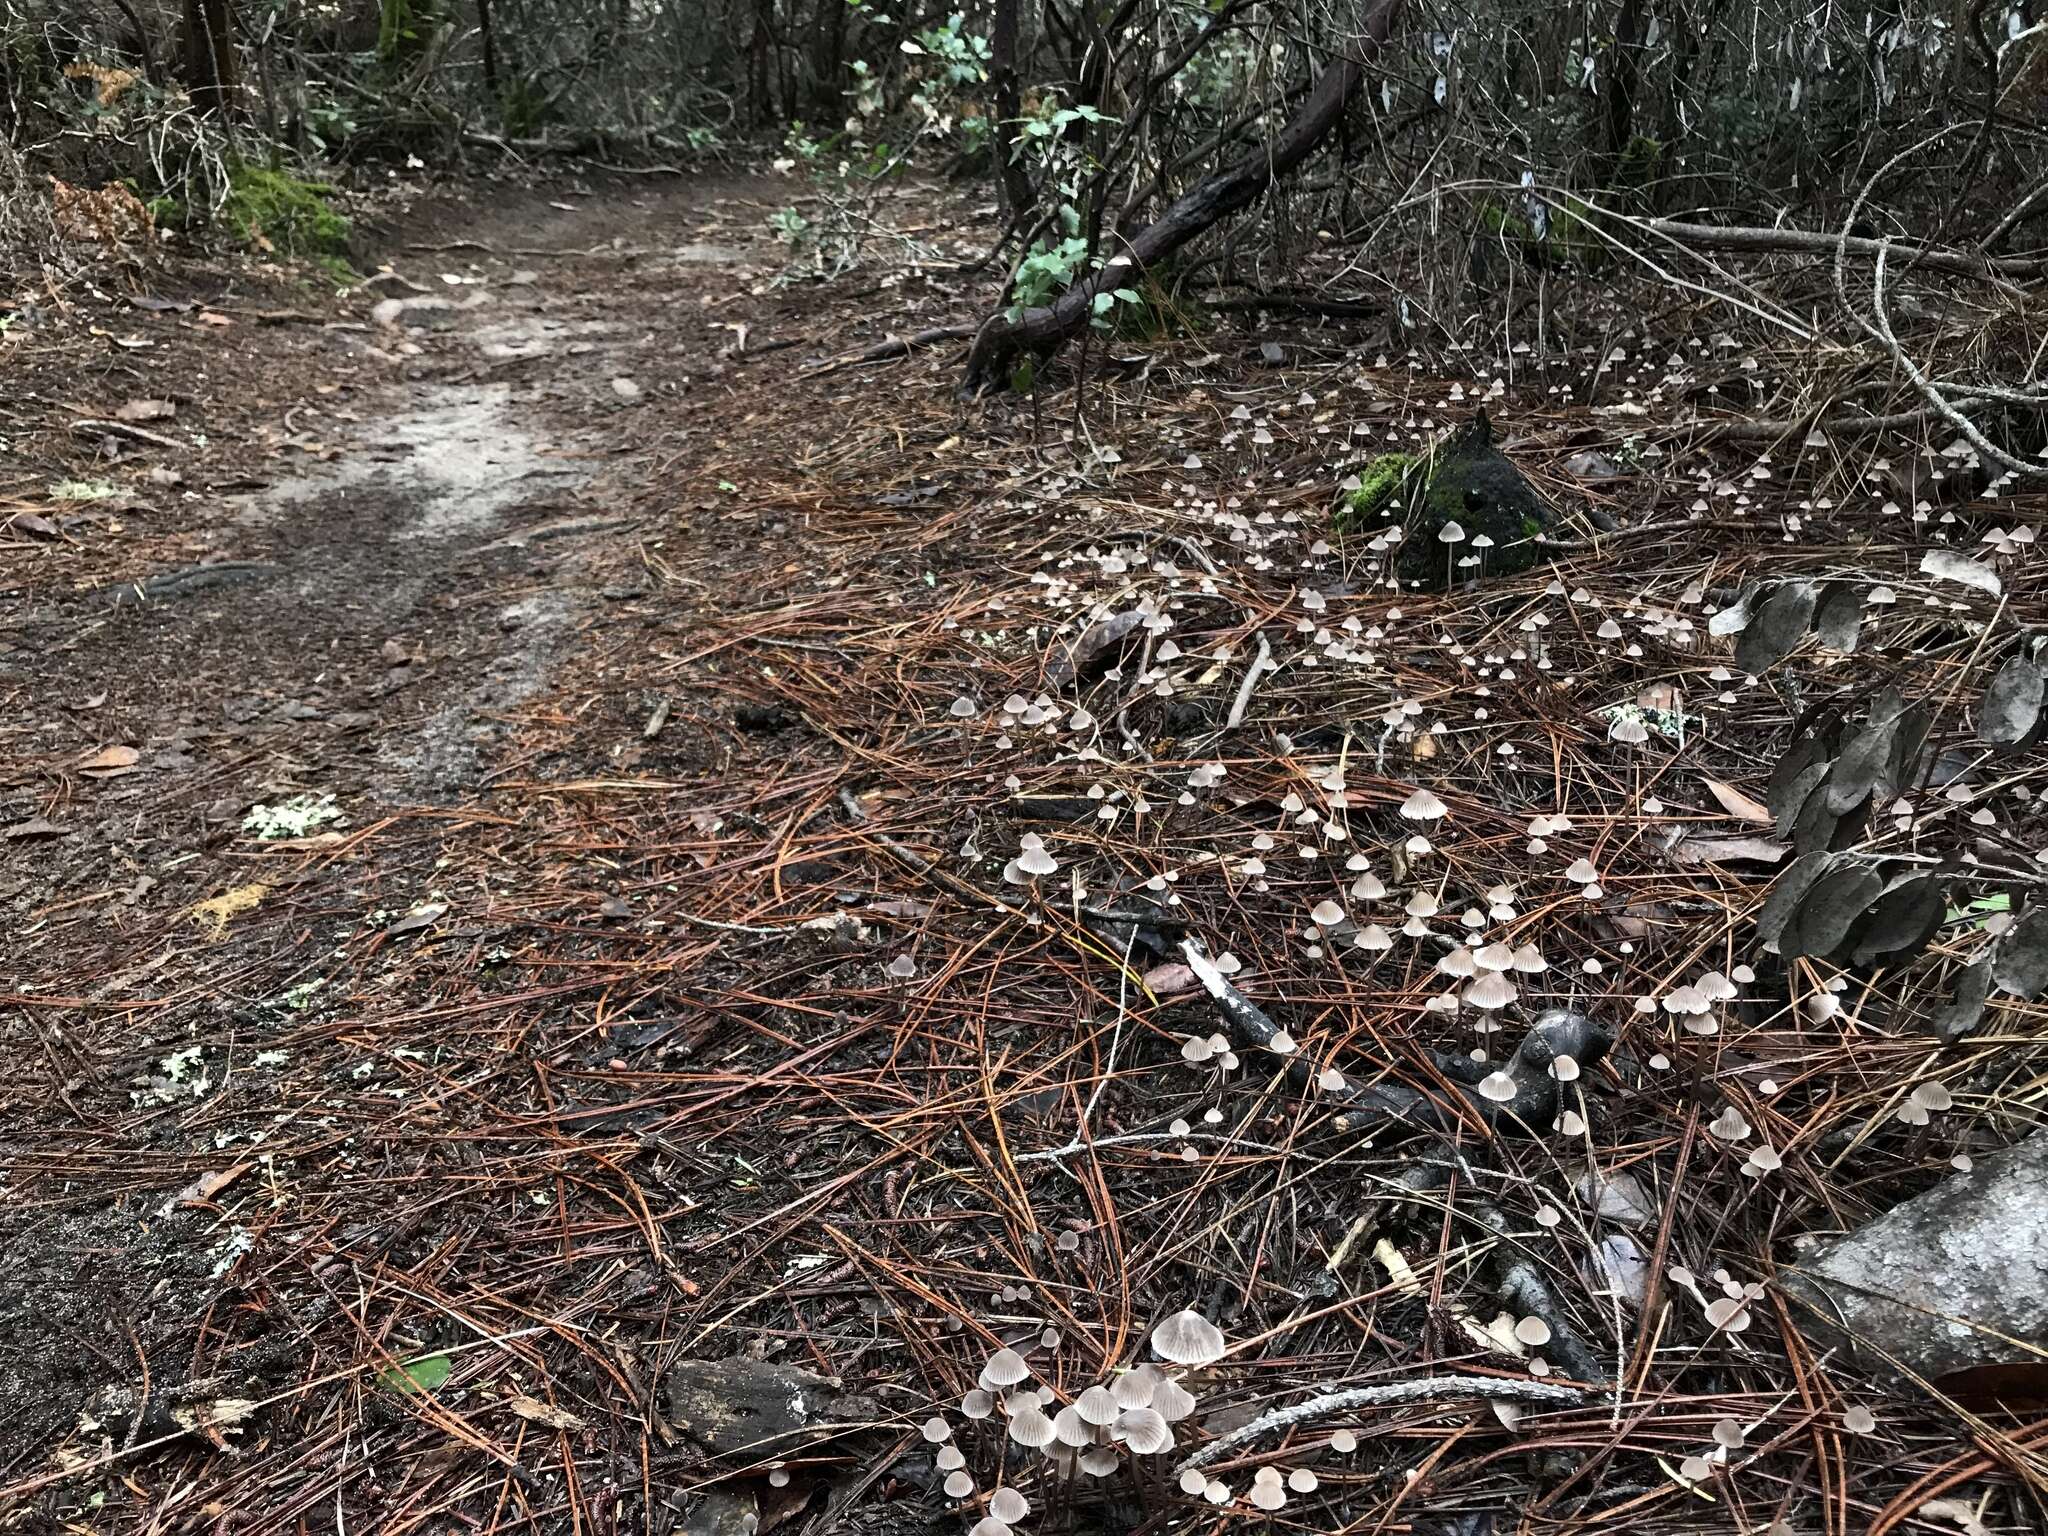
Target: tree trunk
x,y
209,54
828,59
1006,105
488,38
1623,72
760,80
1044,329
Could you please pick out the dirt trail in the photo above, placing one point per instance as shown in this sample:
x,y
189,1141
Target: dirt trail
x,y
357,631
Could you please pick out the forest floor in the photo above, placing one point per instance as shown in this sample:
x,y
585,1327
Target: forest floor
x,y
506,842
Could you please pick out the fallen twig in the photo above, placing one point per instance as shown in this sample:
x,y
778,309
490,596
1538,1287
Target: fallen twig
x,y
1462,1388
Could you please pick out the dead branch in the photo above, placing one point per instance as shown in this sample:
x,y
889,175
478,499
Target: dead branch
x,y
1044,329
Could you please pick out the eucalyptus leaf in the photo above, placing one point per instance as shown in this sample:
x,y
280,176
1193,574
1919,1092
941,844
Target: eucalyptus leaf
x,y
1789,891
1839,618
1780,621
1904,768
2020,962
1785,794
1789,800
1905,919
1865,759
2011,711
1735,618
1953,565
1965,1010
1816,824
1828,910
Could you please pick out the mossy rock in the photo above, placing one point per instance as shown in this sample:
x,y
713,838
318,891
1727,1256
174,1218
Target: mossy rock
x,y
1465,480
281,215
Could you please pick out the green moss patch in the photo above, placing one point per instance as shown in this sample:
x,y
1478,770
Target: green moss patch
x,y
1378,484
281,215
1567,239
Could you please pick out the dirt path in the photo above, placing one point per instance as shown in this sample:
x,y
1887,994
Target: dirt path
x,y
345,639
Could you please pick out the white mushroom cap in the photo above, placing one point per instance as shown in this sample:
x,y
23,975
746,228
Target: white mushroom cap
x,y
1423,806
1145,1431
1188,1338
1096,1405
1030,1427
1496,957
1005,1368
1008,1505
1135,1388
1492,990
1071,1428
1173,1401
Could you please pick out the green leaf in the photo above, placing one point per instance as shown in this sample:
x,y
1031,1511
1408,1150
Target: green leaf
x,y
429,1373
1981,908
1102,302
1128,296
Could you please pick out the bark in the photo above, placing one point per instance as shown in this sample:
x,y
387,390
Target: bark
x,y
1006,105
1622,75
1045,328
828,59
487,36
759,73
1814,242
209,54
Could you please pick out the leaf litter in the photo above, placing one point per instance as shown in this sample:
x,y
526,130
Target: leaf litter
x,y
546,1117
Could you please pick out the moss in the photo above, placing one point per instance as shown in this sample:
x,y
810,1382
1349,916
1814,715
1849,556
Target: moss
x,y
1640,163
282,215
1378,483
1567,240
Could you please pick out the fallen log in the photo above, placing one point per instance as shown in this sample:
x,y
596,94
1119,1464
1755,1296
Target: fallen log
x,y
1042,329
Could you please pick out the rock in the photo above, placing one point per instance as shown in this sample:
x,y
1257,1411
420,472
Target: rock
x,y
1948,1281
724,1511
754,1408
1465,510
1591,464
